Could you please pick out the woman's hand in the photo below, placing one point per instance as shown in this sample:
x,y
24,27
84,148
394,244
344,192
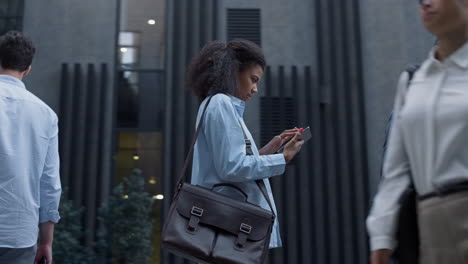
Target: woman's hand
x,y
381,256
293,147
276,143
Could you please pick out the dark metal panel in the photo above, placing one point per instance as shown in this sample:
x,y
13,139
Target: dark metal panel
x,y
84,117
79,126
65,125
244,23
92,150
106,113
167,183
291,181
358,133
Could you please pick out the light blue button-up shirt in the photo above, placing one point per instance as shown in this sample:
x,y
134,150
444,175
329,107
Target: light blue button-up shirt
x,y
29,165
220,156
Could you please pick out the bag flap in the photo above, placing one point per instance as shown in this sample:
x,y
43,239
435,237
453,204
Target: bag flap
x,y
224,212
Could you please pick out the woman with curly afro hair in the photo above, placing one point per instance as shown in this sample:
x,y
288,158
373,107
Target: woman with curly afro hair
x,y
225,76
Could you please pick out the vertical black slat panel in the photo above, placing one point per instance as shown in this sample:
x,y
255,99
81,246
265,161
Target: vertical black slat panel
x,y
266,119
334,190
304,169
187,100
194,49
214,9
197,27
103,184
278,254
102,115
314,171
168,164
339,128
291,183
331,178
203,22
209,21
79,129
179,150
320,158
92,150
281,180
268,82
327,158
358,133
266,125
106,123
330,154
347,174
65,122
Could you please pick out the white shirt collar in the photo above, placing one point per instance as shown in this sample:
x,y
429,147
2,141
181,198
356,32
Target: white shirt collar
x,y
459,57
12,80
238,104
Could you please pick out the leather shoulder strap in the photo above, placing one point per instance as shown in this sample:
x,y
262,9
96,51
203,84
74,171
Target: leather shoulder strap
x,y
190,153
260,183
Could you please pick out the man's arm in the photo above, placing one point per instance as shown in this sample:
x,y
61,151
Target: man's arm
x,y
50,191
46,237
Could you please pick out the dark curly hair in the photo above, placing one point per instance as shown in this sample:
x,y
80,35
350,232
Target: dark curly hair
x,y
214,70
16,51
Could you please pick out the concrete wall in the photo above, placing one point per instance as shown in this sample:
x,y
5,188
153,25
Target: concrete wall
x,y
67,31
392,38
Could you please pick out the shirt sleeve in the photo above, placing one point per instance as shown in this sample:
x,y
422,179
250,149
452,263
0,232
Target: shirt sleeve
x,y
227,144
50,187
382,220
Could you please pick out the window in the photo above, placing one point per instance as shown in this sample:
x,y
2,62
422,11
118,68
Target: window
x,y
11,15
141,100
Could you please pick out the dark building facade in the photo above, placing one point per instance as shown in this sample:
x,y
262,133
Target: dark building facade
x,y
114,72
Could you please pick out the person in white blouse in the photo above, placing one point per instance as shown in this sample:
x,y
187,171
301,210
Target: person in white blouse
x,y
428,146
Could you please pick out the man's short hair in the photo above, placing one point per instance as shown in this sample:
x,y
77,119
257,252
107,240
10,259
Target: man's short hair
x,y
16,51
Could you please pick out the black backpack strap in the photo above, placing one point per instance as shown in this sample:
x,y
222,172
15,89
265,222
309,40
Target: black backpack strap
x,y
411,70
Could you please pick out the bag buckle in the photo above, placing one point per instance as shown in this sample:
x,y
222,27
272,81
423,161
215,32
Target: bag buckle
x,y
196,211
245,228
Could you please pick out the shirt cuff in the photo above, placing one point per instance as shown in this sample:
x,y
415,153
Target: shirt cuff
x,y
382,242
279,164
49,216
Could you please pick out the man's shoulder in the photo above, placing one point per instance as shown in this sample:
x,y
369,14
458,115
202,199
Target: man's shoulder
x,y
38,104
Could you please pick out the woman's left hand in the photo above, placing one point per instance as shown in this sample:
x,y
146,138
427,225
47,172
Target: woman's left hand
x,y
276,143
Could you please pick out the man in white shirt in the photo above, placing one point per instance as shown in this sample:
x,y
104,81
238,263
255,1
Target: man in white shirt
x,y
428,146
29,162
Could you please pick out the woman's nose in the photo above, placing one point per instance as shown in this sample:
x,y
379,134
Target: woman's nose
x,y
254,90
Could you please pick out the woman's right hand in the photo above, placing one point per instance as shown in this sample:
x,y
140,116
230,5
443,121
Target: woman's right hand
x,y
293,147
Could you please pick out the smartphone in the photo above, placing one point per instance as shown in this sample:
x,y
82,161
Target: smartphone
x,y
306,135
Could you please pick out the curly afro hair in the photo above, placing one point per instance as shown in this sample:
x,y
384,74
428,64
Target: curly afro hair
x,y
214,70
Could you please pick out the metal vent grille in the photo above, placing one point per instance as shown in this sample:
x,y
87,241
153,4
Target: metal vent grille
x,y
277,114
244,23
11,15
